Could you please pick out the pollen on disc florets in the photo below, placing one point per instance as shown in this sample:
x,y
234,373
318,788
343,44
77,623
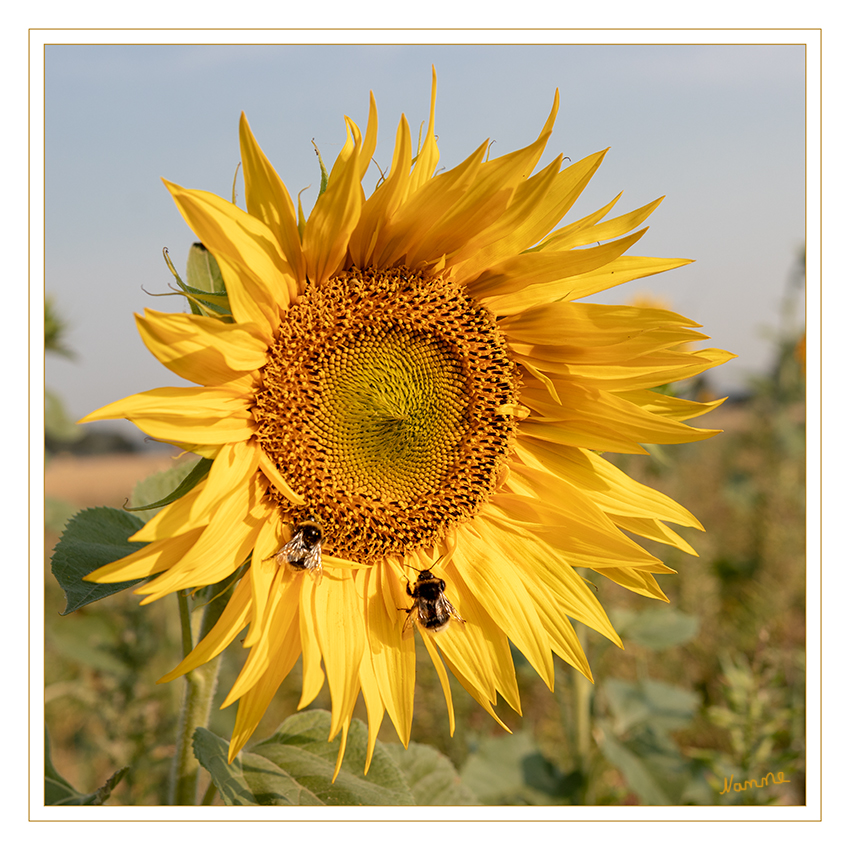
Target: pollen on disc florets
x,y
386,403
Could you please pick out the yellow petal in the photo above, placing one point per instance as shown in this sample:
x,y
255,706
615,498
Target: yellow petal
x,y
312,676
341,635
615,272
277,480
612,414
148,561
679,409
609,487
383,202
221,548
652,370
567,592
279,617
493,581
255,272
232,470
186,414
425,209
268,200
594,326
517,274
637,581
253,705
233,619
569,529
263,571
393,656
610,229
202,350
651,529
373,701
428,155
333,220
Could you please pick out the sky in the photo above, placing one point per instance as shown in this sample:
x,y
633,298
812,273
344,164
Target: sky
x,y
718,129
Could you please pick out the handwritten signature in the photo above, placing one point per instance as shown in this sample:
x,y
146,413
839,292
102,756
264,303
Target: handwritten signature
x,y
767,779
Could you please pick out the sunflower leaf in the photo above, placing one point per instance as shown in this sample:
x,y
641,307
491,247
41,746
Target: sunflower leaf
x,y
202,271
209,295
164,480
295,767
93,538
431,776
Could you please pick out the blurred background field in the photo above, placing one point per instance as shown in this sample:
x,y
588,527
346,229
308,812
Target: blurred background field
x,y
708,693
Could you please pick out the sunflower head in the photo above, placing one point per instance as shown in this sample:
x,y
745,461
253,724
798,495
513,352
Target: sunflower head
x,y
387,398
410,403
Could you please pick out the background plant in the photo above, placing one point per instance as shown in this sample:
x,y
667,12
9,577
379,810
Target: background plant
x,y
708,687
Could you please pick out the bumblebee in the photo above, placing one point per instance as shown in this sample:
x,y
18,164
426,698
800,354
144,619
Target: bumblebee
x,y
304,550
430,607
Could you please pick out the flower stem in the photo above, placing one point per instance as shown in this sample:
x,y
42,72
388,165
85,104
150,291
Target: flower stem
x,y
582,690
197,699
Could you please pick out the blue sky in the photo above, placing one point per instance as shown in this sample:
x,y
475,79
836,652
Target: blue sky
x,y
719,130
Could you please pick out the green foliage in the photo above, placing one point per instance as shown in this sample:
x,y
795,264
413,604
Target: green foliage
x,y
176,482
59,792
765,728
295,767
93,538
205,291
511,771
636,738
432,778
202,271
655,628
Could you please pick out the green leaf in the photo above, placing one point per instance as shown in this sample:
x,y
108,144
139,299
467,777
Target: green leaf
x,y
59,792
431,776
173,482
511,770
204,299
637,775
202,271
649,702
93,538
655,628
295,766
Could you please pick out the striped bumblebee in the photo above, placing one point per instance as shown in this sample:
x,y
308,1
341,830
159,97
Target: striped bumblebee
x,y
304,550
430,608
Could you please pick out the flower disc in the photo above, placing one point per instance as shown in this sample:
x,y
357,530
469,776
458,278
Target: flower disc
x,y
386,404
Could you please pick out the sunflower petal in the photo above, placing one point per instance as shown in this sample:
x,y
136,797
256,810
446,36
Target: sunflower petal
x,y
268,200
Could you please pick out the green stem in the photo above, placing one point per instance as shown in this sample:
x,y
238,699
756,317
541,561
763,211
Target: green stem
x,y
582,690
197,700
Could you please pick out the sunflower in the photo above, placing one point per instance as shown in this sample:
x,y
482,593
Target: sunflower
x,y
405,410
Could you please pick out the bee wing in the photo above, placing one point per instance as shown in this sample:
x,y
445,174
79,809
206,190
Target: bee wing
x,y
452,612
313,563
293,550
410,621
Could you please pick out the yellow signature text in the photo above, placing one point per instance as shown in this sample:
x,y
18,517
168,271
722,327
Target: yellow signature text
x,y
767,779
